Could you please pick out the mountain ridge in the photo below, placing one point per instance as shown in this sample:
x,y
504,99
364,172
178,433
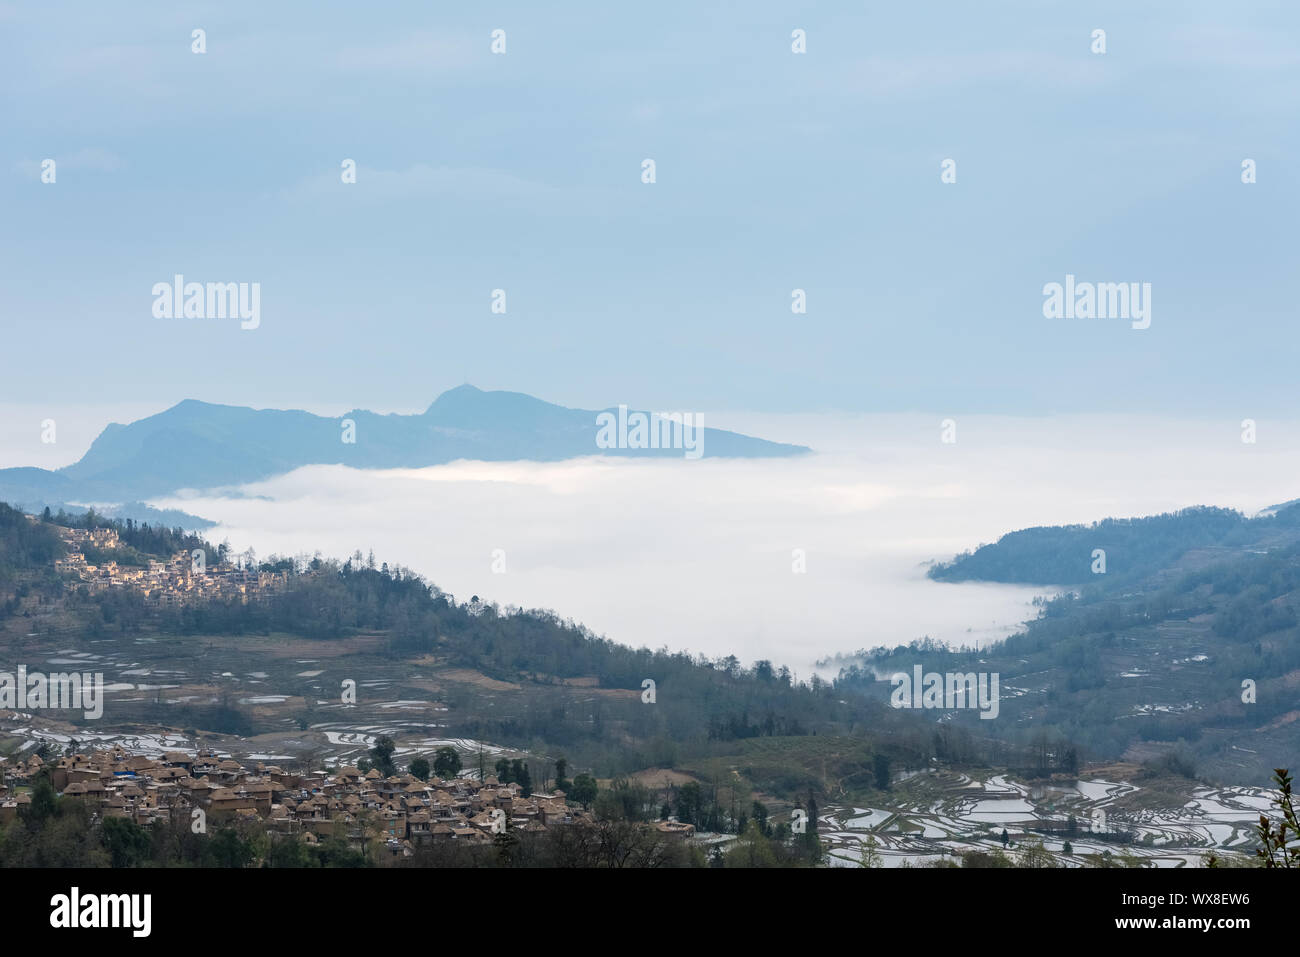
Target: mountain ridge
x,y
202,445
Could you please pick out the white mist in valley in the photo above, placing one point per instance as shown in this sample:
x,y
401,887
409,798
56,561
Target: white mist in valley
x,y
704,555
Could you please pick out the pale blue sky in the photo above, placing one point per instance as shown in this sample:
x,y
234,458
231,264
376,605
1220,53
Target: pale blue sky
x,y
775,171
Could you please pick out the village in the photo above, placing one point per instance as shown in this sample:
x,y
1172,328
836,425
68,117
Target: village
x,y
400,810
184,579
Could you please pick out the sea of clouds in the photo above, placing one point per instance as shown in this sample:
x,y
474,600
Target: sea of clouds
x,y
700,555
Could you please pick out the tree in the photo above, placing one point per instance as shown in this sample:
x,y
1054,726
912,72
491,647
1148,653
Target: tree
x,y
880,769
381,756
446,762
870,856
1070,760
287,852
1033,854
751,849
48,751
985,859
506,844
584,790
1275,851
690,801
759,813
420,768
608,807
45,803
227,849
561,769
525,780
503,771
127,842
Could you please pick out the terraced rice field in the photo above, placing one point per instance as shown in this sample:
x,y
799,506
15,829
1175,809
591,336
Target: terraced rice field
x,y
942,814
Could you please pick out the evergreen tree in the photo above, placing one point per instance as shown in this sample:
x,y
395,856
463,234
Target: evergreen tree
x,y
446,762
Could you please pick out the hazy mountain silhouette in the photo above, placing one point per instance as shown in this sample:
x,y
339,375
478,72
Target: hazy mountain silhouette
x,y
197,445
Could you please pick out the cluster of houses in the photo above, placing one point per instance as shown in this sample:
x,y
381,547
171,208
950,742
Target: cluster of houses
x,y
175,582
402,810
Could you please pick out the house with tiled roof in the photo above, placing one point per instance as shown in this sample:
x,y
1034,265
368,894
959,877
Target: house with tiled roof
x,y
400,811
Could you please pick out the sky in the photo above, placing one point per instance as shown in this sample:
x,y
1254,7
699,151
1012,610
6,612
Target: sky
x,y
775,171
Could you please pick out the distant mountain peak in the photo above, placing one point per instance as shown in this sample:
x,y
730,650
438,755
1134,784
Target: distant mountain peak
x,y
202,445
456,396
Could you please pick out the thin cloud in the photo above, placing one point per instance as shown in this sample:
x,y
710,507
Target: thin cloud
x,y
419,54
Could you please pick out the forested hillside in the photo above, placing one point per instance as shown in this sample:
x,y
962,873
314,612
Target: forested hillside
x,y
1193,657
1066,554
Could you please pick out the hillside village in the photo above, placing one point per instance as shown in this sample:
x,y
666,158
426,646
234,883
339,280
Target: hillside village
x,y
178,581
402,810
